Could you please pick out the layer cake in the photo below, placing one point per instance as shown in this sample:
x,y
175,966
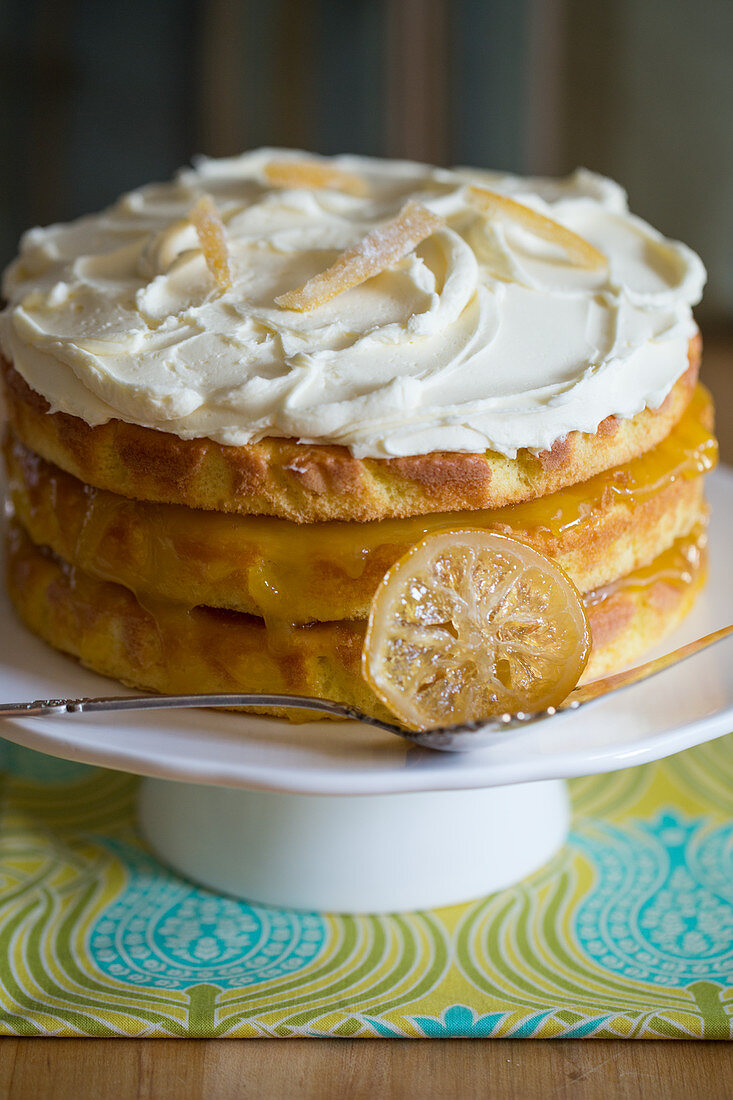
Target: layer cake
x,y
209,478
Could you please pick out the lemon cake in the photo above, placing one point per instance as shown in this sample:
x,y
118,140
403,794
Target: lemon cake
x,y
235,400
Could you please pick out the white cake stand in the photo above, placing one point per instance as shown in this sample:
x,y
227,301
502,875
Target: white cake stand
x,y
341,817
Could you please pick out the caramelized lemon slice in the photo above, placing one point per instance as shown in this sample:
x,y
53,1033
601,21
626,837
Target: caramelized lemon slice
x,y
470,624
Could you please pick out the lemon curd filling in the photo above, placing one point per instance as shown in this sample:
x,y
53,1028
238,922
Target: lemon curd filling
x,y
677,567
279,569
169,647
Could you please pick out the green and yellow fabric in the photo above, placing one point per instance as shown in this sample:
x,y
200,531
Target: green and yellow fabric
x,y
628,932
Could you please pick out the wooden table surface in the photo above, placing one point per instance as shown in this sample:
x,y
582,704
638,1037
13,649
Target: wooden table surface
x,y
363,1069
201,1069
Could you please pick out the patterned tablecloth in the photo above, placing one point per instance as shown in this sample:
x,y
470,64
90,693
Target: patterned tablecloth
x,y
628,932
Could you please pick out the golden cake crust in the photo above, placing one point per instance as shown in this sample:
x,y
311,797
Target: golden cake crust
x,y
307,483
170,649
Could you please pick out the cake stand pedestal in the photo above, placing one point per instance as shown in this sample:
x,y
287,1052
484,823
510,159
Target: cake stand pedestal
x,y
354,854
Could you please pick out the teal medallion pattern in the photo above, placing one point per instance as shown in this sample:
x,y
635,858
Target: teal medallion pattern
x,y
661,910
162,931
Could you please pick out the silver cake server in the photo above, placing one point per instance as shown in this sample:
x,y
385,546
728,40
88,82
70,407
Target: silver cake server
x,y
458,738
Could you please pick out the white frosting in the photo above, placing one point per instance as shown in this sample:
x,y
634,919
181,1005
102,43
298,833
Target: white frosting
x,y
485,337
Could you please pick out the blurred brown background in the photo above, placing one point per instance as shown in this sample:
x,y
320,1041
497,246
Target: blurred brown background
x,y
100,96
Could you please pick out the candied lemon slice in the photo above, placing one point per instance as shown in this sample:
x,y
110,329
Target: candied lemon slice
x,y
470,624
212,238
577,248
312,174
384,246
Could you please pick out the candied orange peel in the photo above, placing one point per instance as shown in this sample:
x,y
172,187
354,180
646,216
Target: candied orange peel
x,y
470,624
383,247
206,218
577,248
313,175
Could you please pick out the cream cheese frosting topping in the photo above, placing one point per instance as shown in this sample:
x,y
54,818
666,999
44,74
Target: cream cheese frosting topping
x,y
484,337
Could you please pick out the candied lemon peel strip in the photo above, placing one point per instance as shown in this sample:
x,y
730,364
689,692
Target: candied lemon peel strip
x,y
206,218
379,250
470,624
499,206
311,174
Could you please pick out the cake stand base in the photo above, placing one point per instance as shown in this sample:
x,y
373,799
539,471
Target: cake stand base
x,y
355,854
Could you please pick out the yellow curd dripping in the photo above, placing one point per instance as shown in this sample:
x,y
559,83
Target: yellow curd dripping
x,y
288,571
689,451
677,567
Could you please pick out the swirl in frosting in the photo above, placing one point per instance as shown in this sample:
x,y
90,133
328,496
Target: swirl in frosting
x,y
484,337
